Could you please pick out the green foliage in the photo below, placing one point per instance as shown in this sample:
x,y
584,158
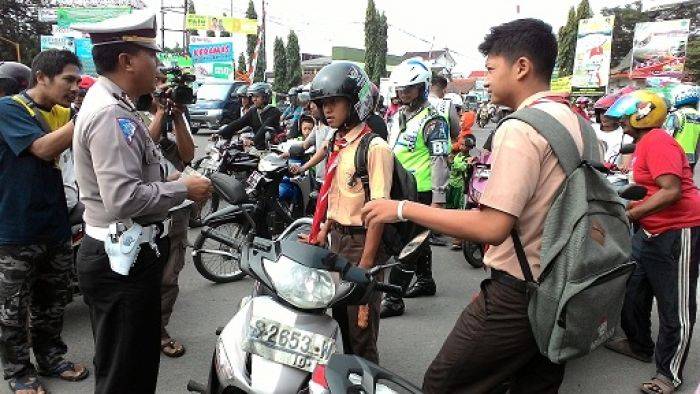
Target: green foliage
x,y
251,39
280,66
19,22
293,60
376,31
242,65
566,40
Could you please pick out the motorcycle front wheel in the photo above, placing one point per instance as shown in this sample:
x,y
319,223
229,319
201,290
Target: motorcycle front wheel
x,y
473,253
216,261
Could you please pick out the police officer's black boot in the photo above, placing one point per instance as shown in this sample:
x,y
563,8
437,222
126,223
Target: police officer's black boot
x,y
424,285
399,275
392,306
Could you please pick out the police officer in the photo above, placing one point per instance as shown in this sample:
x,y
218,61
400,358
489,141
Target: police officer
x,y
684,123
121,259
444,105
419,138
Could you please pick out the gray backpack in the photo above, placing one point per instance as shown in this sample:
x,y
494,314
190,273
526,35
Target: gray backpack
x,y
575,304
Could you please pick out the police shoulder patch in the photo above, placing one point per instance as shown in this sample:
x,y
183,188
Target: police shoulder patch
x,y
128,128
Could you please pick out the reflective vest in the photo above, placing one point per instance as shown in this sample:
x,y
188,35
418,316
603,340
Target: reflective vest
x,y
684,125
408,145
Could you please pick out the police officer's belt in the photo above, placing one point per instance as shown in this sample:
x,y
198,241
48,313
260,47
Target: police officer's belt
x,y
150,232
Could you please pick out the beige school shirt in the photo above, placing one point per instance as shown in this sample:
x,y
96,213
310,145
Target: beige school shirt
x,y
525,178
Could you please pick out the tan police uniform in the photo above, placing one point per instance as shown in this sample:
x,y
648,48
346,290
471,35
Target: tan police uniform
x,y
118,173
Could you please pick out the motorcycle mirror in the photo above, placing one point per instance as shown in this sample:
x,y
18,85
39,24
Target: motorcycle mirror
x,y
415,244
627,149
633,192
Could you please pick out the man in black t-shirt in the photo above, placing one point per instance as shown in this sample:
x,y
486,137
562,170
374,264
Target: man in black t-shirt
x,y
263,117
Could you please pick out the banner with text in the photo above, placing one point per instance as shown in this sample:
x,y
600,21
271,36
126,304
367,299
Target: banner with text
x,y
592,62
659,49
231,25
68,16
212,53
51,42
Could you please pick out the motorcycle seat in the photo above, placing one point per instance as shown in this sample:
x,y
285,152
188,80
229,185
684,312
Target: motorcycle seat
x,y
229,188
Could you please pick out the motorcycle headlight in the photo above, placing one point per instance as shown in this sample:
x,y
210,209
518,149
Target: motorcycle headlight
x,y
301,286
214,112
223,366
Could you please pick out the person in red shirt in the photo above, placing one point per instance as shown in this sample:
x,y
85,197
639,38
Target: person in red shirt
x,y
666,246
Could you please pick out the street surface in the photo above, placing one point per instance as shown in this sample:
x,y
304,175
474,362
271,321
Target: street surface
x,y
407,344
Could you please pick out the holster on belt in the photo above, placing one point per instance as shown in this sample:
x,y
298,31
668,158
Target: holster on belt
x,y
122,246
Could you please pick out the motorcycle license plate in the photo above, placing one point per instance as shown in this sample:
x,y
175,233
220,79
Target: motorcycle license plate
x,y
254,179
287,345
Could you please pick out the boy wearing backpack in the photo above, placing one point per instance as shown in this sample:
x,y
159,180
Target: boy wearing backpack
x,y
343,90
493,342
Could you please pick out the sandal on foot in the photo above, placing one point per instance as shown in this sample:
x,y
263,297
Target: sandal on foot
x,y
659,384
172,348
27,384
622,346
68,371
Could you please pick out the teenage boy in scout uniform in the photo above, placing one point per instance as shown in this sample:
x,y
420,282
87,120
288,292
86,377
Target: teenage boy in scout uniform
x,y
120,262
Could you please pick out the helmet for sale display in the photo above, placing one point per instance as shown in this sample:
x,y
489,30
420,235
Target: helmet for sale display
x,y
411,72
645,109
14,77
344,79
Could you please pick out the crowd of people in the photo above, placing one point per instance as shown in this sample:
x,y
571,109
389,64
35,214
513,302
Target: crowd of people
x,y
114,153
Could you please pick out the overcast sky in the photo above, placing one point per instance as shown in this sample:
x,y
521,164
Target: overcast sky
x,y
414,25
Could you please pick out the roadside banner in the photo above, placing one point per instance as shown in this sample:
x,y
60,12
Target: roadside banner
x,y
83,49
592,62
69,16
659,49
219,24
173,59
51,42
211,53
561,84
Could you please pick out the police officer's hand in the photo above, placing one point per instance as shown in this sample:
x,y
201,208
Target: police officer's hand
x,y
199,189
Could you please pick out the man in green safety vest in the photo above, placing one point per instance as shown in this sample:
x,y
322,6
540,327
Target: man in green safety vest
x,y
420,139
684,123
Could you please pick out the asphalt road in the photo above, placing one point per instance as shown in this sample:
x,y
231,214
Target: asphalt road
x,y
407,344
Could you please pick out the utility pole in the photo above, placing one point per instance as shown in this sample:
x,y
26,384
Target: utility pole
x,y
180,9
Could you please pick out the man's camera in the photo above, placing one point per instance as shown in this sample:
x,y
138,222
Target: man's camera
x,y
178,90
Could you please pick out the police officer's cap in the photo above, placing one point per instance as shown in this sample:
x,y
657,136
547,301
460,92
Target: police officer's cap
x,y
138,28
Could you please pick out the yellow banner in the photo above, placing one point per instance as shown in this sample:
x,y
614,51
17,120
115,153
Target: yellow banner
x,y
231,25
561,85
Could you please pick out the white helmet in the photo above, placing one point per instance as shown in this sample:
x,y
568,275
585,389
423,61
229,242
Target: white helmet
x,y
411,72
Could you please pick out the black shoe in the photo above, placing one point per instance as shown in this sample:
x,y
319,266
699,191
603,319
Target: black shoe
x,y
391,308
422,288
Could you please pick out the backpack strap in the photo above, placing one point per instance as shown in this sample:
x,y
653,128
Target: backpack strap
x,y
361,155
32,110
522,258
590,141
555,133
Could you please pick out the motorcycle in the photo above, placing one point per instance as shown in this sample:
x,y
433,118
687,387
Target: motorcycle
x,y
282,331
352,374
226,157
254,204
477,178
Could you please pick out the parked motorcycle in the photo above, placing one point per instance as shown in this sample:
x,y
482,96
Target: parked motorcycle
x,y
282,332
226,157
352,374
254,204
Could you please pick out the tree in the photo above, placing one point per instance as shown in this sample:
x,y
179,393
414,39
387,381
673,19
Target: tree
x,y
261,65
280,66
380,58
293,60
623,32
371,38
584,11
251,39
242,67
566,40
19,22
